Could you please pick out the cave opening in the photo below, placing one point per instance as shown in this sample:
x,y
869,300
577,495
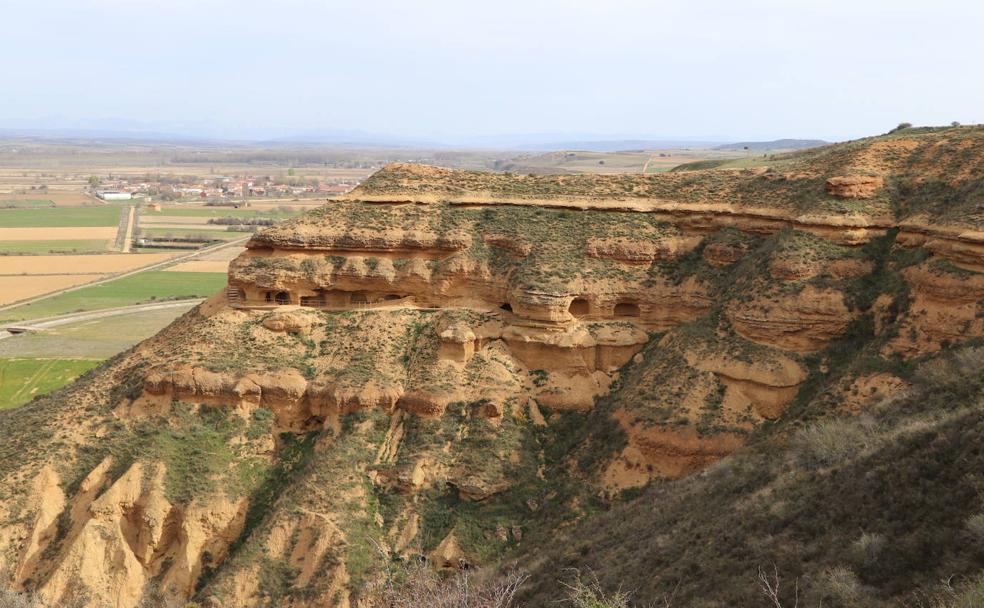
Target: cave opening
x,y
626,309
579,307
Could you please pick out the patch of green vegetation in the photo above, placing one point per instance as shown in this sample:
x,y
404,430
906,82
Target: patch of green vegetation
x,y
539,377
24,379
186,233
25,203
701,165
141,288
217,212
193,443
82,217
294,453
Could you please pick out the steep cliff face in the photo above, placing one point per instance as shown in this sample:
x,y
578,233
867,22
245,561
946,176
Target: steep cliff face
x,y
457,365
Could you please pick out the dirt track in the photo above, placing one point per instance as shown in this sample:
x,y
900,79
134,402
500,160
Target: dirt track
x,y
78,317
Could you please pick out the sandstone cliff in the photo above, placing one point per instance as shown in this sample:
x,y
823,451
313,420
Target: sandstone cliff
x,y
456,366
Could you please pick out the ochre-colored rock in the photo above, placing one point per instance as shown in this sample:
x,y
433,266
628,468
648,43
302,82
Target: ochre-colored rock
x,y
854,186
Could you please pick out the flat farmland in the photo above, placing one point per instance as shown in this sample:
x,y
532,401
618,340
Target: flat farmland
x,y
140,288
23,379
90,339
90,216
178,225
66,246
196,233
215,212
213,261
24,203
67,198
200,266
59,233
75,264
55,230
17,288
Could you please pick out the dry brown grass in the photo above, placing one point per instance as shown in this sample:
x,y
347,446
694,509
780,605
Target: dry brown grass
x,y
14,289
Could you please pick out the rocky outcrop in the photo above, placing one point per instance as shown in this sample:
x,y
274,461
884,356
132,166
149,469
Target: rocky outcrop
x,y
660,452
854,186
116,543
805,321
945,305
635,250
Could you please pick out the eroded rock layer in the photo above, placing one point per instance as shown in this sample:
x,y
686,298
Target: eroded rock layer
x,y
452,365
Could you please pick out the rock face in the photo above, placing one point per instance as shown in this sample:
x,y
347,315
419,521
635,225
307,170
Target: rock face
x,y
456,365
804,322
854,186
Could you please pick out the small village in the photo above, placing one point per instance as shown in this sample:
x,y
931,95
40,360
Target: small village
x,y
216,190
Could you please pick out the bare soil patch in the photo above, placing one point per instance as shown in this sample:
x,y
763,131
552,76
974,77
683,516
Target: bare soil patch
x,y
66,264
13,289
200,266
226,254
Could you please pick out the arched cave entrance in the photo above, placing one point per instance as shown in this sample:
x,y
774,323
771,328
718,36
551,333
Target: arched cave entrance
x,y
282,298
579,307
392,296
626,309
506,307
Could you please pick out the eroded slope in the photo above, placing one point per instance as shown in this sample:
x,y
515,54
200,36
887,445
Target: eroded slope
x,y
448,365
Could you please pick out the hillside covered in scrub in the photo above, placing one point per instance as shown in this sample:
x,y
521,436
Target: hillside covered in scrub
x,y
679,382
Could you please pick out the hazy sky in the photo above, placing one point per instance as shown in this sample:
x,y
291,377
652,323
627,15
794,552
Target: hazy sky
x,y
455,68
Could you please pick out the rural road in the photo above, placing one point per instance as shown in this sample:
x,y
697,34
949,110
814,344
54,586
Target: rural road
x,y
174,260
78,317
128,232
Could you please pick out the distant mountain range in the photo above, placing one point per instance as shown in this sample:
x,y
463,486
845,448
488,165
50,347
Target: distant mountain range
x,y
534,142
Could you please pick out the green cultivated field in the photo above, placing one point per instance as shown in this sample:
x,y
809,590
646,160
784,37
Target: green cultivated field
x,y
23,379
25,204
218,212
219,235
43,247
135,289
81,217
90,339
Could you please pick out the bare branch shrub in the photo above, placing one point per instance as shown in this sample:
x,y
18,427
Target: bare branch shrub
x,y
969,594
770,586
867,549
829,442
952,370
588,593
418,585
842,586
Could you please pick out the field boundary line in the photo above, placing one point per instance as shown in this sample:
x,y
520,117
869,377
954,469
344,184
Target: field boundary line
x,y
158,265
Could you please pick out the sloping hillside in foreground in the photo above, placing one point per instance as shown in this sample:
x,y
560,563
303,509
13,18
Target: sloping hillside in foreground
x,y
673,380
